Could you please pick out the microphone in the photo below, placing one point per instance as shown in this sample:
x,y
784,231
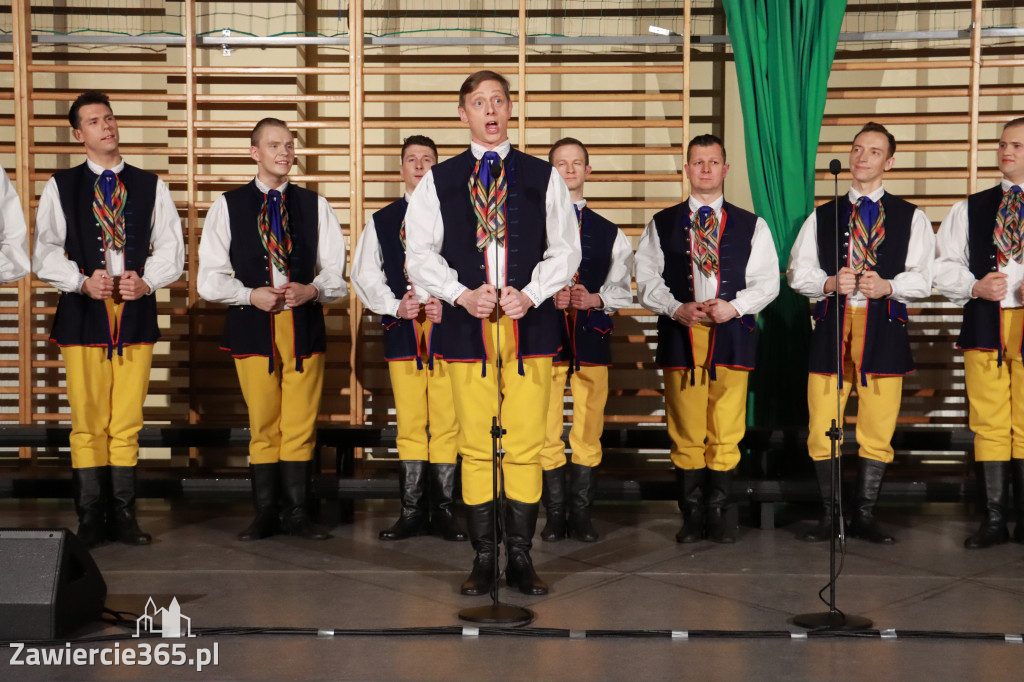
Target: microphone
x,y
834,166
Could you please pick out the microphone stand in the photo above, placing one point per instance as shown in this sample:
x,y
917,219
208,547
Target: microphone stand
x,y
497,612
834,619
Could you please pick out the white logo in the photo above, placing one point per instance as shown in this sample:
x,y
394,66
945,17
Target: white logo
x,y
171,621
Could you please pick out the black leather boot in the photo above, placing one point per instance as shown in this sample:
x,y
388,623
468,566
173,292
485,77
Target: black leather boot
x,y
553,498
121,523
90,486
717,500
690,494
869,482
994,484
520,525
443,522
481,521
295,484
827,527
1017,466
415,517
583,485
266,499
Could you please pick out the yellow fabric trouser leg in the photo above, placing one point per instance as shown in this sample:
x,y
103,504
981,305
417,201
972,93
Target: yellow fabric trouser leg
x,y
423,404
523,414
711,411
589,396
106,399
283,405
878,402
996,394
552,455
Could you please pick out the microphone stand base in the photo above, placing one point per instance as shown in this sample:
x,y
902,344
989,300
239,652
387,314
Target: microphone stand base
x,y
498,613
832,621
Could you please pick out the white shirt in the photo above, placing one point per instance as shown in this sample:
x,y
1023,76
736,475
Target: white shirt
x,y
216,279
14,263
953,278
51,264
762,273
616,293
424,235
807,277
368,279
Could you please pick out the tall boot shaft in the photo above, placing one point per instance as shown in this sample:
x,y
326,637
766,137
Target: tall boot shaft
x,y
553,498
826,526
870,473
480,521
717,499
266,500
583,487
1017,467
122,524
690,485
91,490
296,481
520,525
443,522
415,516
993,479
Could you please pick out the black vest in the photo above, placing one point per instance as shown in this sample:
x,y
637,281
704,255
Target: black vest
x,y
401,337
589,342
81,320
461,336
980,328
886,346
248,330
733,343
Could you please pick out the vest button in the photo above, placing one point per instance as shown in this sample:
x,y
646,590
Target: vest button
x,y
992,257
846,234
483,267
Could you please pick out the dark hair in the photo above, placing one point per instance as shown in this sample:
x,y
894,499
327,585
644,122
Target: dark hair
x,y
565,141
86,98
1014,122
420,140
872,127
474,81
705,141
254,137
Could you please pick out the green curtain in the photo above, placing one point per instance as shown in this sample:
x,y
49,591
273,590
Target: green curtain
x,y
783,51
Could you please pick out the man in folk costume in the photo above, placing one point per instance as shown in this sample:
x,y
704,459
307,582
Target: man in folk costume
x,y
107,237
422,389
706,268
599,288
887,249
494,227
14,262
981,267
274,253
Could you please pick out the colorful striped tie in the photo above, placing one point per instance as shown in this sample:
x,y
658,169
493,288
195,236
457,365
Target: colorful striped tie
x,y
705,248
273,224
579,225
1007,235
489,191
865,241
108,200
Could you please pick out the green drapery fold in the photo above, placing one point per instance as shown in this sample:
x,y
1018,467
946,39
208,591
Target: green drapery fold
x,y
783,51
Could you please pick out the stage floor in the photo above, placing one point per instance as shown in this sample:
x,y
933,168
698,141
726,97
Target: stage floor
x,y
635,578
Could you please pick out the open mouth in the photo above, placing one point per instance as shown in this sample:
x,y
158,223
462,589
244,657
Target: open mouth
x,y
491,127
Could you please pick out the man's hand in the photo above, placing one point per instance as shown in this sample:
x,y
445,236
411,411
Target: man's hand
x,y
689,314
408,307
991,287
99,285
132,287
720,311
267,299
296,294
847,282
433,309
581,299
479,302
514,303
873,286
562,298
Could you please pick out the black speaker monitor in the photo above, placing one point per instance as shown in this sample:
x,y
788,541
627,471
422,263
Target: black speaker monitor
x,y
49,584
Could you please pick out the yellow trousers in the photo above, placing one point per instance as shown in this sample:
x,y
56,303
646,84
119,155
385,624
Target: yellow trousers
x,y
523,408
996,394
878,403
707,420
283,405
106,398
589,385
423,400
